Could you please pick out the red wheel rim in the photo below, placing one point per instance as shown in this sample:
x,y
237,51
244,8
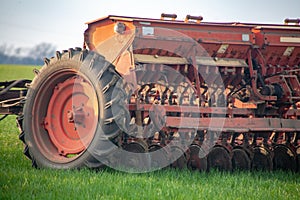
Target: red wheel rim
x,y
72,115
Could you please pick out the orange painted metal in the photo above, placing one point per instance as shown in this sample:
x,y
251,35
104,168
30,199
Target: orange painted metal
x,y
265,55
71,119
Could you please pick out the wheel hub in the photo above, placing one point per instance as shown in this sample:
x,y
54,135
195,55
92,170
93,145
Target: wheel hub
x,y
76,116
72,116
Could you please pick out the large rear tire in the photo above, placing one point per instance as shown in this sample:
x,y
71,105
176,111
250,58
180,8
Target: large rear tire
x,y
68,115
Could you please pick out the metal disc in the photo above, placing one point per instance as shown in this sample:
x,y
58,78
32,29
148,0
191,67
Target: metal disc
x,y
219,158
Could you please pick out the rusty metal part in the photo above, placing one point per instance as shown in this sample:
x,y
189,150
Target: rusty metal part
x,y
181,161
197,159
134,160
172,16
237,124
159,156
240,159
190,17
295,21
219,158
258,65
284,158
262,159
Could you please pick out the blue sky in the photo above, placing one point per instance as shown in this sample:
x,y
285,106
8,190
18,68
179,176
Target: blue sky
x,y
26,23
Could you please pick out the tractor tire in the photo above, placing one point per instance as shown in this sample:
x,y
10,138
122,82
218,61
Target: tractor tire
x,y
74,107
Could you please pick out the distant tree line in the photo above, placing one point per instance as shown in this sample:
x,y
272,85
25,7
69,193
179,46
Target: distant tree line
x,y
26,56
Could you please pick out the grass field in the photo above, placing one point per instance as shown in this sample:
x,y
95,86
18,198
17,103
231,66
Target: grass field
x,y
18,180
11,72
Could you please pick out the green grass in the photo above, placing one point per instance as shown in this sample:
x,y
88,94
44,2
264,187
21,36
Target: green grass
x,y
12,72
18,180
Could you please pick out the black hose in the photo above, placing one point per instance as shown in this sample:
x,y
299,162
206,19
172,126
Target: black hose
x,y
3,117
